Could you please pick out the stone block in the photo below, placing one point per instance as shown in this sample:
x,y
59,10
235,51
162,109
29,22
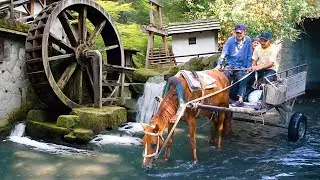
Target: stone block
x,y
84,135
14,48
37,115
142,75
16,101
100,119
14,57
68,121
46,131
10,65
6,76
22,54
3,115
16,73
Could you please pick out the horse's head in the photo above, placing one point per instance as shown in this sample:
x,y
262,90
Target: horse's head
x,y
152,142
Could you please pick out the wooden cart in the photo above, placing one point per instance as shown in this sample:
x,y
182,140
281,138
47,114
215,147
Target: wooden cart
x,y
279,97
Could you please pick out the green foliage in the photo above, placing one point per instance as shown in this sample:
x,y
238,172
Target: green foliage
x,y
278,17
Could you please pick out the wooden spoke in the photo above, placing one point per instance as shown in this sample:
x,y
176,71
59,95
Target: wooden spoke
x,y
61,57
107,48
64,79
89,76
82,25
95,34
68,28
89,84
78,86
62,44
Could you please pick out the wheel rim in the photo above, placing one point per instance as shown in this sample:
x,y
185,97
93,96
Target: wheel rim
x,y
66,67
302,129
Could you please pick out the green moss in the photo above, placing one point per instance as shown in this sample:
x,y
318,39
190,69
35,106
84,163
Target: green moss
x,y
137,90
47,131
37,115
16,26
143,74
67,121
100,119
70,137
84,135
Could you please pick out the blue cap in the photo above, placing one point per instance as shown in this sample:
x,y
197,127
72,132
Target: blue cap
x,y
265,35
240,28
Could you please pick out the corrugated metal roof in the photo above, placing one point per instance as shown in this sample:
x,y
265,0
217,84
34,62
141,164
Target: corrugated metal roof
x,y
194,26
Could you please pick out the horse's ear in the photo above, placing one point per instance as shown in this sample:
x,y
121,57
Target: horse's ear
x,y
156,128
144,126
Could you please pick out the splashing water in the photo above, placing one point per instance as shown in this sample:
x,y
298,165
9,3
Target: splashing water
x,y
17,137
147,106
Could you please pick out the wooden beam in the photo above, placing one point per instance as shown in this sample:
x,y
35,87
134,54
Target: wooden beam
x,y
160,32
64,79
31,9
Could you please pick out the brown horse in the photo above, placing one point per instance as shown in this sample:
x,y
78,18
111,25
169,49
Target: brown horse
x,y
153,140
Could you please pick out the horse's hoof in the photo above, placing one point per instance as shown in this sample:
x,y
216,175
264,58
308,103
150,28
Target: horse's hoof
x,y
195,162
166,159
212,143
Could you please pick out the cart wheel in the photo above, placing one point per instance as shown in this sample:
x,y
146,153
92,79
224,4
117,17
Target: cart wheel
x,y
297,127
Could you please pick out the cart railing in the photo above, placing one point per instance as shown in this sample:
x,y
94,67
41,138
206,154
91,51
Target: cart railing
x,y
288,84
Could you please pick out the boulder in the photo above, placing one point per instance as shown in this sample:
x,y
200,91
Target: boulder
x,y
100,119
37,115
68,121
83,135
142,75
137,90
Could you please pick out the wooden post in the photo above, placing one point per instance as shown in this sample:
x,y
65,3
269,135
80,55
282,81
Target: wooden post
x,y
97,76
149,48
160,15
151,13
31,7
11,10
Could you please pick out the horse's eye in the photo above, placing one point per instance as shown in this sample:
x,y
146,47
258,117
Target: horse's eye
x,y
153,146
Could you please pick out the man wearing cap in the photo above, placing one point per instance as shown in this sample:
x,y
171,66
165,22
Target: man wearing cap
x,y
264,59
238,54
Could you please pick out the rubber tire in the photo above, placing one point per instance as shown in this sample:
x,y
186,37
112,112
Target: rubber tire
x,y
296,120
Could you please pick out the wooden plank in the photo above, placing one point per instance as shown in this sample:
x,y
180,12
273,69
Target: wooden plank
x,y
155,30
64,79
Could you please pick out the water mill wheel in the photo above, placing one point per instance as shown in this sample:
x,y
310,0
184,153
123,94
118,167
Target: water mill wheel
x,y
61,45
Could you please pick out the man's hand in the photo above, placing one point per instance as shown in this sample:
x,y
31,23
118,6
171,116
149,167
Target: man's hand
x,y
256,68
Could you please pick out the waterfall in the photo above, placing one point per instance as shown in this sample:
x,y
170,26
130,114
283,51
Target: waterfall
x,y
18,130
147,106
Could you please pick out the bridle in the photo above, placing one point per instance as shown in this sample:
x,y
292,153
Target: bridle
x,y
159,136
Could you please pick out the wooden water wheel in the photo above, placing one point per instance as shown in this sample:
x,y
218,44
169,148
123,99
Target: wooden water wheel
x,y
61,45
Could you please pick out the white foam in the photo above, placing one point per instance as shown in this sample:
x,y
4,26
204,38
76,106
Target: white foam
x,y
17,137
115,139
48,147
131,128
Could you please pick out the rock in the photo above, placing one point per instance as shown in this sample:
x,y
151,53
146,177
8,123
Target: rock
x,y
84,135
130,103
100,119
67,121
70,137
131,115
37,115
47,131
137,90
142,75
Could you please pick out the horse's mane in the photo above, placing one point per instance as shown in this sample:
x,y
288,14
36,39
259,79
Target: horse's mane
x,y
168,106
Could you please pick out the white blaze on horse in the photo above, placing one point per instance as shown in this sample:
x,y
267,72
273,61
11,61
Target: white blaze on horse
x,y
176,93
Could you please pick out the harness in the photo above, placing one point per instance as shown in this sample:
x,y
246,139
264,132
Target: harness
x,y
144,154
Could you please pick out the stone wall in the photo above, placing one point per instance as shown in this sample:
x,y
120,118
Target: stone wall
x,y
16,95
303,50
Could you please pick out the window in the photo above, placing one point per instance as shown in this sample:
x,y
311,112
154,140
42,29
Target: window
x,y
192,40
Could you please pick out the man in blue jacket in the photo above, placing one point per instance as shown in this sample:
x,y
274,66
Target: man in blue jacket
x,y
238,54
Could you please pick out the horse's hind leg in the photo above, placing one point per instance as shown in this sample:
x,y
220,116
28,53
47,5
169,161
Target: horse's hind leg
x,y
170,141
213,129
221,117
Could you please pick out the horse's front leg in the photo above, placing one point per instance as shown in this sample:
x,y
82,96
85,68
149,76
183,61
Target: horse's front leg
x,y
221,117
192,132
169,143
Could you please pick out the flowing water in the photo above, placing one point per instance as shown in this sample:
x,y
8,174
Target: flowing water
x,y
147,105
254,152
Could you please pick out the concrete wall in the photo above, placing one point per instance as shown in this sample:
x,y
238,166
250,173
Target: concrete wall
x,y
15,90
207,41
304,50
